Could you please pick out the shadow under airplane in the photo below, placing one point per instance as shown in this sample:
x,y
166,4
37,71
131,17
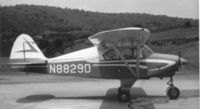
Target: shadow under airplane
x,y
139,99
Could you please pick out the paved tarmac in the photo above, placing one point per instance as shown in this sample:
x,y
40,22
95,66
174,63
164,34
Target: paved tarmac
x,y
93,94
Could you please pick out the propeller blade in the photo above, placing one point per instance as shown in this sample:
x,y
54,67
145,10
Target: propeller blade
x,y
181,61
179,58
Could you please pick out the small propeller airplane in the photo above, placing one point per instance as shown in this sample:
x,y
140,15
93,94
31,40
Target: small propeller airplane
x,y
116,54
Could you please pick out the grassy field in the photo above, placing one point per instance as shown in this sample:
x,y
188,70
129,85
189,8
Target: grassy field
x,y
178,33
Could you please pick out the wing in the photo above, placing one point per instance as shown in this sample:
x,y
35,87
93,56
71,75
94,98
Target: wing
x,y
121,36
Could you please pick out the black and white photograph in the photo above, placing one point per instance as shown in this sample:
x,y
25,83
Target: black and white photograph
x,y
99,54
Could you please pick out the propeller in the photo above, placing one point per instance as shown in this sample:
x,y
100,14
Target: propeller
x,y
181,61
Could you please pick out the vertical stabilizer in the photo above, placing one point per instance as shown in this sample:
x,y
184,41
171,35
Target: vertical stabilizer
x,y
26,51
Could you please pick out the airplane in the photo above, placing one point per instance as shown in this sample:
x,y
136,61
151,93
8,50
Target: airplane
x,y
117,54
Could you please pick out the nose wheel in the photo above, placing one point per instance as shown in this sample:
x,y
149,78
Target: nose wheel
x,y
172,91
123,95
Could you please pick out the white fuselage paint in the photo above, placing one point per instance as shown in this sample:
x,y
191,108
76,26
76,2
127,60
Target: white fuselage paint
x,y
81,55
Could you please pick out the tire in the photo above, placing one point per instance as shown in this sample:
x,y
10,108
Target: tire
x,y
173,93
123,95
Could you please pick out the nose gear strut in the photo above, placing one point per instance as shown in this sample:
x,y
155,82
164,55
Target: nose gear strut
x,y
172,91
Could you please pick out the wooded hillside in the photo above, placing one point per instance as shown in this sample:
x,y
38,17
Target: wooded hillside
x,y
59,30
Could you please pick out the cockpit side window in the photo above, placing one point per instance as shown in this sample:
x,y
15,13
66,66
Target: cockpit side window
x,y
127,52
111,55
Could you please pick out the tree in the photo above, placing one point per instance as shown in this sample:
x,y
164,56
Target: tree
x,y
187,24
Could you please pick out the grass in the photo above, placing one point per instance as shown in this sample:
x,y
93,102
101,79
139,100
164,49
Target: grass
x,y
189,48
189,51
178,33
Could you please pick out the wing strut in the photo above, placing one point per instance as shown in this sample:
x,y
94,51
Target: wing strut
x,y
125,62
24,52
138,61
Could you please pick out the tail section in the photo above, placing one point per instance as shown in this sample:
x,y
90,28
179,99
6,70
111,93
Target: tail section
x,y
25,50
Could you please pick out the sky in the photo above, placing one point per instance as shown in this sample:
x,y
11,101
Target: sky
x,y
175,8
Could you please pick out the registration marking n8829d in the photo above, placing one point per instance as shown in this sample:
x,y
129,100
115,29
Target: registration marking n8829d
x,y
69,68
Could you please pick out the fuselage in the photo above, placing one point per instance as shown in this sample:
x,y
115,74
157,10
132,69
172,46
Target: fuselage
x,y
92,62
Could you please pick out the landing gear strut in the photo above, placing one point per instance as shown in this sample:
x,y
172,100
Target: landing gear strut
x,y
124,94
172,91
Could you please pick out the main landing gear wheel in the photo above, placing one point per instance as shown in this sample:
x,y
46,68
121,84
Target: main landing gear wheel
x,y
123,95
172,91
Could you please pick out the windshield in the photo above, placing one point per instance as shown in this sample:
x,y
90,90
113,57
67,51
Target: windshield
x,y
146,51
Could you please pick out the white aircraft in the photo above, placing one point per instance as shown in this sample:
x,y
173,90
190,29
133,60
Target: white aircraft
x,y
116,54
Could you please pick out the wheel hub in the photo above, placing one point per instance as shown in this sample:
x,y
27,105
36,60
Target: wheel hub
x,y
173,92
124,97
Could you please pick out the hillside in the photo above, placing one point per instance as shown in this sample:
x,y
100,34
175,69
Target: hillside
x,y
38,19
